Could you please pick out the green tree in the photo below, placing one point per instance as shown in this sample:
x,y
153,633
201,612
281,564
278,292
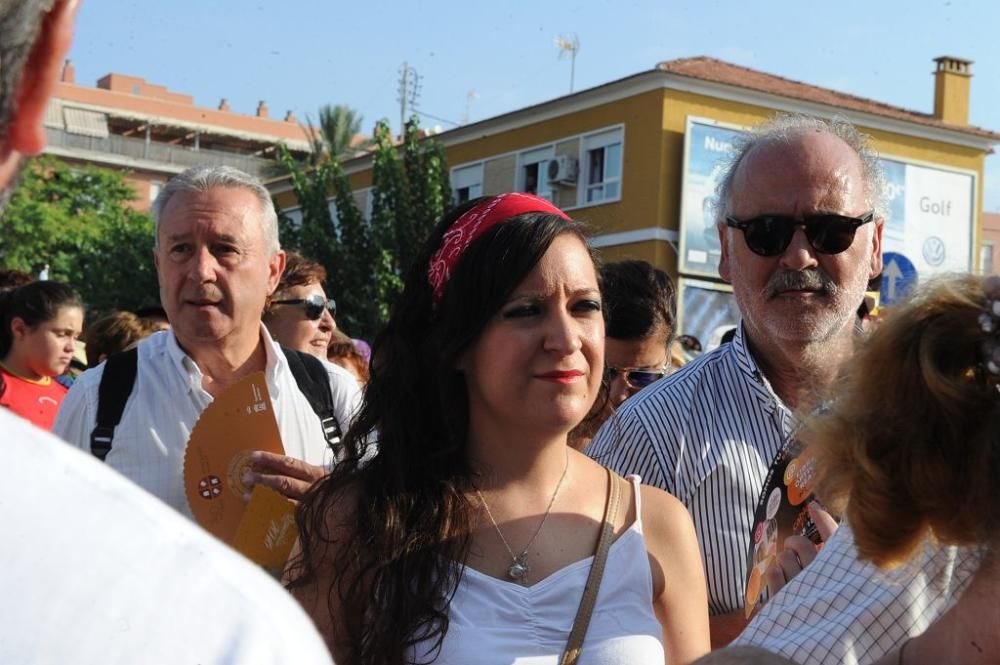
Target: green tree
x,y
365,261
80,222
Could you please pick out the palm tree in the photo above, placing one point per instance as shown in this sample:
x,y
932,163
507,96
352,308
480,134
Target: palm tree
x,y
335,137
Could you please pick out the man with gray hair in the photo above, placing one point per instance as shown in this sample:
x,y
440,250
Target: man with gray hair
x,y
218,259
94,568
800,226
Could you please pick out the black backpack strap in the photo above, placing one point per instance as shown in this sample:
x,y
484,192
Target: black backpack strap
x,y
314,382
116,385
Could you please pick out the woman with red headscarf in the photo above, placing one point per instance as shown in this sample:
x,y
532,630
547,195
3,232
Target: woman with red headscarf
x,y
476,534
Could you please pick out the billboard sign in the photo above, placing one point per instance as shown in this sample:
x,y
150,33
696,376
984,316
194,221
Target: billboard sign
x,y
930,216
706,147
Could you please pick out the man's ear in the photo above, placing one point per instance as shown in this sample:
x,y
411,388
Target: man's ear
x,y
724,267
876,258
26,134
276,266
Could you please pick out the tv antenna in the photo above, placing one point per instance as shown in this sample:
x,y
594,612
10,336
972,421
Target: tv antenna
x,y
569,44
409,92
470,97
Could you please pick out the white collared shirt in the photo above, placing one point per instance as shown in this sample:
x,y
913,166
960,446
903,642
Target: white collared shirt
x,y
167,400
707,434
97,571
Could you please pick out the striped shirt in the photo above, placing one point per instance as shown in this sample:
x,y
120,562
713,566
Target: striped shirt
x,y
707,434
841,610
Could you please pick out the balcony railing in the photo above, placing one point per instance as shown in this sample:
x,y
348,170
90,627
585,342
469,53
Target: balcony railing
x,y
137,148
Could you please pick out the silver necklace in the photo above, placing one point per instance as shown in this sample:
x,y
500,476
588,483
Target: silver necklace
x,y
519,568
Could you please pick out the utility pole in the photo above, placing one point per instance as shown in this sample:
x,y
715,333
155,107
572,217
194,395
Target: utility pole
x,y
569,45
409,91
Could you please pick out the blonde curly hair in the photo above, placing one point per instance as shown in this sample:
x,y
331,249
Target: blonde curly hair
x,y
909,448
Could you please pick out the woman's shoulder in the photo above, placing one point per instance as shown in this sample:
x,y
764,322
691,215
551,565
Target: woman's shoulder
x,y
666,521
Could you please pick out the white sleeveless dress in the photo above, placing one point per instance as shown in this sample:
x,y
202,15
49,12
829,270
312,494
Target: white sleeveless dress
x,y
493,622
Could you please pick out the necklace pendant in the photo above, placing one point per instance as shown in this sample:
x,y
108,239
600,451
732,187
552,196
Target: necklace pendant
x,y
519,569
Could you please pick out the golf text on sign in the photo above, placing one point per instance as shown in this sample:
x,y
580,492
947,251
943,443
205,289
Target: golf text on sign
x,y
935,207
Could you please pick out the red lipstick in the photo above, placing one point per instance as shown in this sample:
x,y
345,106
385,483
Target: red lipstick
x,y
562,376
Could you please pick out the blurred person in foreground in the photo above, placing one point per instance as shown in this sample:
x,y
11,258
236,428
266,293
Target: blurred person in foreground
x,y
91,561
476,520
800,228
217,260
908,454
114,333
39,325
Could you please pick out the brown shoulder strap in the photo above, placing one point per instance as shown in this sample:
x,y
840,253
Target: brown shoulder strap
x,y
574,646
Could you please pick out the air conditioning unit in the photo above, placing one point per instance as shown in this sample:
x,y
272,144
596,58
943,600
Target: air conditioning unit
x,y
563,169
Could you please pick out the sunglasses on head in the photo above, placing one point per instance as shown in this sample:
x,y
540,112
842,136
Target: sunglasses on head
x,y
636,378
313,305
770,235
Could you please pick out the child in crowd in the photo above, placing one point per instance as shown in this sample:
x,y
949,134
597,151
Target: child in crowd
x,y
39,324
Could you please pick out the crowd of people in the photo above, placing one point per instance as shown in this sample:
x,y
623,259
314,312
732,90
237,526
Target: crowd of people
x,y
528,464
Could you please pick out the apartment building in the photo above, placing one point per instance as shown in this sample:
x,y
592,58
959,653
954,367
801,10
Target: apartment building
x,y
152,133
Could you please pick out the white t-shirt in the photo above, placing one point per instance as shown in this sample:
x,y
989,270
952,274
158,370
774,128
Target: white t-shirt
x,y
167,400
95,570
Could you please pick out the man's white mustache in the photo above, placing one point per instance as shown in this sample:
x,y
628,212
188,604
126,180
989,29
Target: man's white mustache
x,y
804,280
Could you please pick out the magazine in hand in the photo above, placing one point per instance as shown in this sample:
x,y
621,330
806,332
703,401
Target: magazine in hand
x,y
781,512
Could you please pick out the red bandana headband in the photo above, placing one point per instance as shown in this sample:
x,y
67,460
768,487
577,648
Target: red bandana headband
x,y
474,223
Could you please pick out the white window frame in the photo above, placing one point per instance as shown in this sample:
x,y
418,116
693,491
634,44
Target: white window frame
x,y
367,212
540,155
986,266
331,205
467,175
155,187
295,213
597,141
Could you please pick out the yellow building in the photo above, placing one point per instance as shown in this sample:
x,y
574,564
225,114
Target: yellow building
x,y
637,160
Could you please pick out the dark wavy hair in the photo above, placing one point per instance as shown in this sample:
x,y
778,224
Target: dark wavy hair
x,y
407,512
639,300
33,303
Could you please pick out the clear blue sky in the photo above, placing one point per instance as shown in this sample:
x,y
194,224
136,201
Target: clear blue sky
x,y
297,55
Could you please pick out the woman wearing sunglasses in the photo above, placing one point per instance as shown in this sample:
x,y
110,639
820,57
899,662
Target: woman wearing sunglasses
x,y
472,534
299,315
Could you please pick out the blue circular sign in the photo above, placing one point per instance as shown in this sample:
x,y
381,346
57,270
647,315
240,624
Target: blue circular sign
x,y
898,278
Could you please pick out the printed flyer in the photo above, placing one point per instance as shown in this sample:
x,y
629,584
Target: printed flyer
x,y
781,512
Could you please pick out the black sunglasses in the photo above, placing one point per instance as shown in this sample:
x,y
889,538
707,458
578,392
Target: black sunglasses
x,y
636,378
770,235
314,306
